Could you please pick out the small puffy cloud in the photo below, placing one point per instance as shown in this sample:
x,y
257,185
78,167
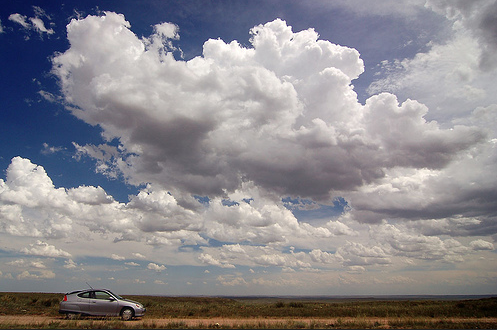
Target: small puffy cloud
x,y
47,96
44,249
30,205
117,257
401,242
131,263
261,221
231,280
106,157
19,19
161,212
339,228
481,245
138,255
48,150
355,269
22,263
39,26
207,259
89,195
37,275
323,257
168,30
35,23
263,256
357,254
156,267
37,264
17,263
70,264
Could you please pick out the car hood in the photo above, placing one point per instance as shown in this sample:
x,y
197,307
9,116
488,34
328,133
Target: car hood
x,y
132,301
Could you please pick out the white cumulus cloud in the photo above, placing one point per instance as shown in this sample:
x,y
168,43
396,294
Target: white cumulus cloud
x,y
481,245
216,143
282,114
35,23
156,267
44,249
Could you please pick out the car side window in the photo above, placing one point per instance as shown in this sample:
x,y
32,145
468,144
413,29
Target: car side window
x,y
102,295
84,295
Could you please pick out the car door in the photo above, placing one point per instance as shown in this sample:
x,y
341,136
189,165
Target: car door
x,y
102,303
83,302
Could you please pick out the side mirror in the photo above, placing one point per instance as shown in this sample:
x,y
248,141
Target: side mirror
x,y
112,299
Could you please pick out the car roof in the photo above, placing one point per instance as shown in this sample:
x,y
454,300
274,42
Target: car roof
x,y
86,290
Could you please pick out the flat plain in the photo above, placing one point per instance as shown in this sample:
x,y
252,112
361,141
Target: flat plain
x,y
40,310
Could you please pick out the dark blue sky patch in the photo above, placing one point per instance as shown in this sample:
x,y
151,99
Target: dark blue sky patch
x,y
308,210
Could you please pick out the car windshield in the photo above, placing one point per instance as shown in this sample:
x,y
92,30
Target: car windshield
x,y
117,296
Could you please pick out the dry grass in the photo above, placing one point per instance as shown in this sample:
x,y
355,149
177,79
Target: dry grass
x,y
43,322
40,310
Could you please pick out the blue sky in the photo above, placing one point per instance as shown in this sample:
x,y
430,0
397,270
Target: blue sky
x,y
249,147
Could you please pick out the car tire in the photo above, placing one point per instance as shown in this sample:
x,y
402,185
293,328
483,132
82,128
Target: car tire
x,y
127,314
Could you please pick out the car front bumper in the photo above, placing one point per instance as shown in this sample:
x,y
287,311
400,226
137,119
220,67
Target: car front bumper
x,y
139,312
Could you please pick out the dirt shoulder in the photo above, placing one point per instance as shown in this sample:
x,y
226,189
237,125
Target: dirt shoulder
x,y
40,320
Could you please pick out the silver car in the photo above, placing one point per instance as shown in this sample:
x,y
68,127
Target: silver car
x,y
99,302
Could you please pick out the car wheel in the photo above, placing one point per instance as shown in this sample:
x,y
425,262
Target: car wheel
x,y
127,314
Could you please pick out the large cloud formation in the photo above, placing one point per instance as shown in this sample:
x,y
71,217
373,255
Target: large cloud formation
x,y
219,140
282,114
457,198
32,206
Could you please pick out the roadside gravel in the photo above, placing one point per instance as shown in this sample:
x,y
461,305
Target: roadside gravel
x,y
42,321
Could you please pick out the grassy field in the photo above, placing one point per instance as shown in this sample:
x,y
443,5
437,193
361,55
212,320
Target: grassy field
x,y
180,312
